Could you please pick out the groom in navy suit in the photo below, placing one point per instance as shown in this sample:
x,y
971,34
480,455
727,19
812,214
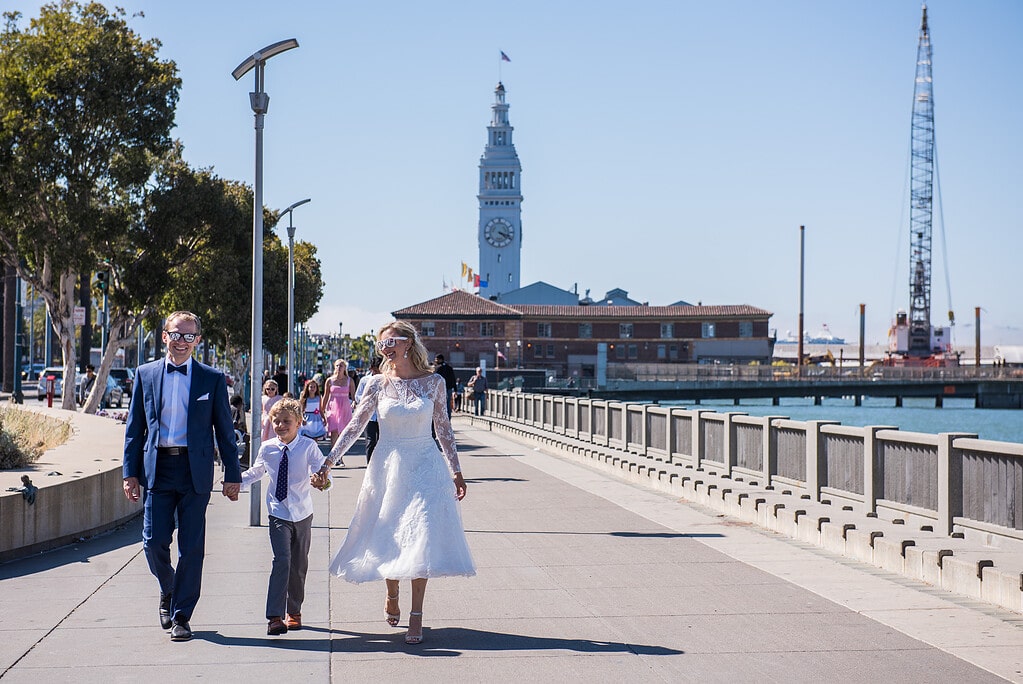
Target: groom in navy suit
x,y
178,406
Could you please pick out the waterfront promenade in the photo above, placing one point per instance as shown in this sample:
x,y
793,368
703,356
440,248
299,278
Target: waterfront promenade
x,y
582,577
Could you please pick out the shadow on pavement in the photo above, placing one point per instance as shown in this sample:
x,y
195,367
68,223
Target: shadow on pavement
x,y
77,552
453,641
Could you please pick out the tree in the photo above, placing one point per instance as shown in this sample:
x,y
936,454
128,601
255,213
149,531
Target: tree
x,y
85,108
217,283
184,220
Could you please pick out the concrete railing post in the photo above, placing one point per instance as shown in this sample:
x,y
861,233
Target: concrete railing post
x,y
815,458
769,448
697,440
873,470
950,480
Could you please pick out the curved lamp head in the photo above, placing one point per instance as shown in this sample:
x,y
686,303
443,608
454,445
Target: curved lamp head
x,y
296,204
263,55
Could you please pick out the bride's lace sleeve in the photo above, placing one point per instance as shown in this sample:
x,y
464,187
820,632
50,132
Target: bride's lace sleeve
x,y
363,412
441,422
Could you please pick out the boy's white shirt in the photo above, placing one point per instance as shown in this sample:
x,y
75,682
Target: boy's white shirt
x,y
304,459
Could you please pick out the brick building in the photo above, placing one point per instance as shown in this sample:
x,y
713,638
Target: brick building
x,y
565,339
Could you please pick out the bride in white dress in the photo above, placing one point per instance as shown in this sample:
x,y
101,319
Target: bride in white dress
x,y
407,522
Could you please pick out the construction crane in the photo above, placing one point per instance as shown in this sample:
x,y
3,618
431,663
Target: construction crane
x,y
912,339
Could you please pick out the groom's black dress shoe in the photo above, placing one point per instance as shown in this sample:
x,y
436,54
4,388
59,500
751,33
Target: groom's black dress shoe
x,y
165,615
181,631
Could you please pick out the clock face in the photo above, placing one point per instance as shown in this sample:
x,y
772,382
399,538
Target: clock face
x,y
499,232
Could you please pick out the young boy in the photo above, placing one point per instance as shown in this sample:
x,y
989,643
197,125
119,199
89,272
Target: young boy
x,y
289,459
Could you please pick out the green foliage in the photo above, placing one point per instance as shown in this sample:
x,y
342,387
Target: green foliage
x,y
85,103
90,180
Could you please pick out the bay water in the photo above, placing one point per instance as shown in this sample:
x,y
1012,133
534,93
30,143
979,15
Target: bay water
x,y
915,414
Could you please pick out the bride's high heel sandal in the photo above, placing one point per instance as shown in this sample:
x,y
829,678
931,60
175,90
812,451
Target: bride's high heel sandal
x,y
392,618
414,638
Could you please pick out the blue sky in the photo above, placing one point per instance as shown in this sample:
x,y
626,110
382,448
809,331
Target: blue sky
x,y
671,148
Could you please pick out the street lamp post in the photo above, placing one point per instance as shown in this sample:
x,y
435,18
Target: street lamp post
x,y
290,211
260,102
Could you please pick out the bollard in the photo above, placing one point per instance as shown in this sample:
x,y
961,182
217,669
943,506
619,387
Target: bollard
x,y
51,382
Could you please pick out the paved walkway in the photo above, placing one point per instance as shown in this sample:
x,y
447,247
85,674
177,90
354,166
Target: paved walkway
x,y
581,578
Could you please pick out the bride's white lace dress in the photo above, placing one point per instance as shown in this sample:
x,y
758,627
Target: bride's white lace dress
x,y
407,521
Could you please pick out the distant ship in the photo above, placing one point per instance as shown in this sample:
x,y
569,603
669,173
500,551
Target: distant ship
x,y
824,336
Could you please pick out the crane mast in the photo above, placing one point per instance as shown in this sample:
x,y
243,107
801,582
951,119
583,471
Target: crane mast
x,y
912,339
921,200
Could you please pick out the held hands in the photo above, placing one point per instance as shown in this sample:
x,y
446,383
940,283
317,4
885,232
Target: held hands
x,y
459,486
231,490
320,479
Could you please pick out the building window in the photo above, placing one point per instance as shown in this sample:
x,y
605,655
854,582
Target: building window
x,y
662,352
487,329
673,353
543,330
667,331
585,330
625,330
458,329
745,328
428,329
620,351
550,351
538,351
708,330
633,351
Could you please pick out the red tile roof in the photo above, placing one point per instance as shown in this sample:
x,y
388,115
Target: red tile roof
x,y
461,304
457,304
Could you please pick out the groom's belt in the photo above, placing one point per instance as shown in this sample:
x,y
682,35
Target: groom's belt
x,y
172,451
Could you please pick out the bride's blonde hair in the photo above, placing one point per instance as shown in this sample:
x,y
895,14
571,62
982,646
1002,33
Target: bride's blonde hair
x,y
417,355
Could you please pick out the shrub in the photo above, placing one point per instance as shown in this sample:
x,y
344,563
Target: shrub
x,y
25,435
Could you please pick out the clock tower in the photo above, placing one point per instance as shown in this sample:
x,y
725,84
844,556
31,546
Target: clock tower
x,y
500,196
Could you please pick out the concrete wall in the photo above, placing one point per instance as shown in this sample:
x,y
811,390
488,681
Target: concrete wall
x,y
80,489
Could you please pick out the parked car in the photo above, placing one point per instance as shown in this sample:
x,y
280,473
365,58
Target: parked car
x,y
58,374
124,377
113,395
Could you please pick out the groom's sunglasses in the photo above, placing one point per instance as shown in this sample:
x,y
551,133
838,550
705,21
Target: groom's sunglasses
x,y
187,337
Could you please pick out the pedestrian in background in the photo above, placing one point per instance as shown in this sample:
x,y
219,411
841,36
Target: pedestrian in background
x,y
478,385
372,427
271,395
441,368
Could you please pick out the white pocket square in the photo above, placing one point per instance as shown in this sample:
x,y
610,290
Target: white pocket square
x,y
204,397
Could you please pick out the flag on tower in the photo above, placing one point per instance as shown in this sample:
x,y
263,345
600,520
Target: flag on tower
x,y
476,280
464,269
469,277
504,57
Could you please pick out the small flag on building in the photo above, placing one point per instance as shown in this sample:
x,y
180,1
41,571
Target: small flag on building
x,y
504,57
464,269
482,283
476,280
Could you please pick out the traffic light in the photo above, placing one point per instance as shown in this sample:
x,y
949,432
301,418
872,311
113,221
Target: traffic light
x,y
103,280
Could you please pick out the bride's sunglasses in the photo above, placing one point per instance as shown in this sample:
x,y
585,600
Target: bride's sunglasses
x,y
388,342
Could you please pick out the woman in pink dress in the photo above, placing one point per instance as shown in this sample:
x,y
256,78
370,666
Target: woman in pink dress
x,y
338,393
271,396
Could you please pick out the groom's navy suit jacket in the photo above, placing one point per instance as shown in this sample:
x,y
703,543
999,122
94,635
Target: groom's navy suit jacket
x,y
209,419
